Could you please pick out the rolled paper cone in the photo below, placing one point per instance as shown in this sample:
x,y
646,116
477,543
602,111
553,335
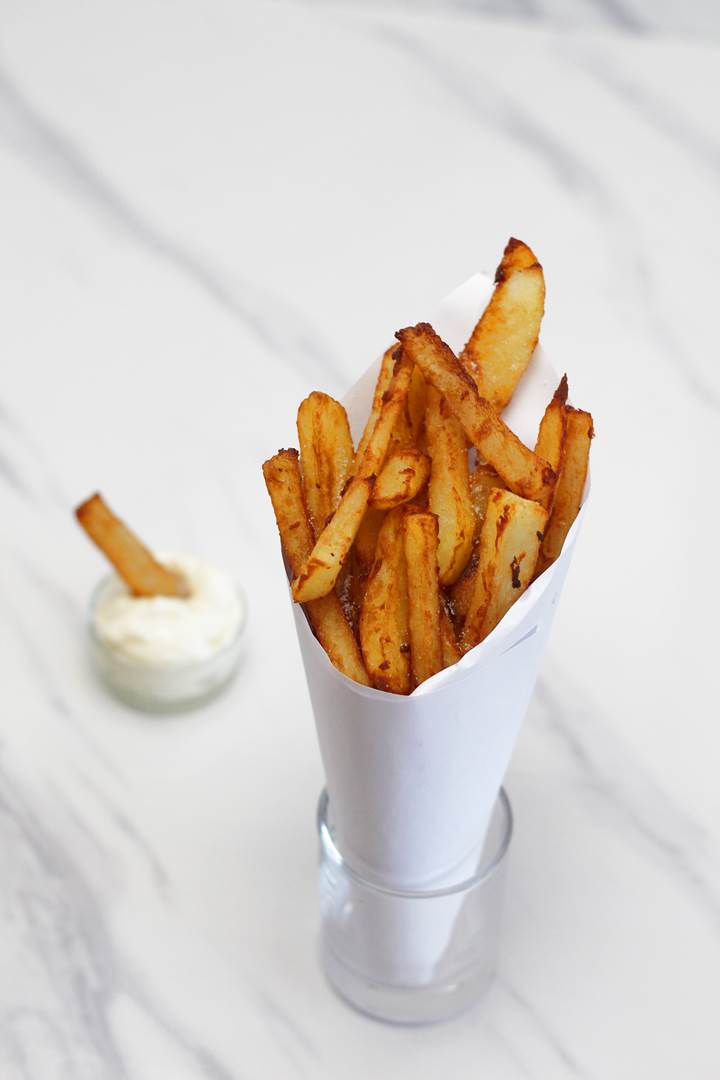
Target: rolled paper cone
x,y
412,780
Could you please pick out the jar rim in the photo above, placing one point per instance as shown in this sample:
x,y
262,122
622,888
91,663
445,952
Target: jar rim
x,y
488,865
130,664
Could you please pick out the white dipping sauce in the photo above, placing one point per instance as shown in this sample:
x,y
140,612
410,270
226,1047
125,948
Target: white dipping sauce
x,y
164,631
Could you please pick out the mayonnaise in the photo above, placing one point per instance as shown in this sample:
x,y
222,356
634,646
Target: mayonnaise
x,y
165,631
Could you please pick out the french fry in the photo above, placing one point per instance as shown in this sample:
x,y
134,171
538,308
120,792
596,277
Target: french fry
x,y
509,544
138,568
523,471
551,434
363,552
461,592
384,616
421,558
450,648
502,343
326,455
387,366
284,484
570,486
416,404
449,487
320,571
367,535
483,479
372,458
403,475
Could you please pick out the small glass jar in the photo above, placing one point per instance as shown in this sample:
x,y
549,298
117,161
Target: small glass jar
x,y
162,687
411,957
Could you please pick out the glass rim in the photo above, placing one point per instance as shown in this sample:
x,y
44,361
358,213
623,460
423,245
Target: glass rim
x,y
483,874
175,665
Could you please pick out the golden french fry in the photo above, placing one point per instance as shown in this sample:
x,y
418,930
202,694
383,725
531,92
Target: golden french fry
x,y
509,544
570,485
320,571
450,648
416,404
403,475
551,435
384,616
387,366
138,568
367,535
449,487
363,552
523,471
461,592
326,455
284,484
371,461
421,558
483,479
502,343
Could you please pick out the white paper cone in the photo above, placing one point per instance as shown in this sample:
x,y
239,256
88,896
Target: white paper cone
x,y
412,780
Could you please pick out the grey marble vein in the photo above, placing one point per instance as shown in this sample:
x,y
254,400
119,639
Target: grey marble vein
x,y
493,107
11,476
19,446
615,13
660,113
58,160
647,813
123,823
565,1058
300,1050
44,680
71,972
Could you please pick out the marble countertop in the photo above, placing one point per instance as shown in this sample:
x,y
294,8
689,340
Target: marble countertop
x,y
208,210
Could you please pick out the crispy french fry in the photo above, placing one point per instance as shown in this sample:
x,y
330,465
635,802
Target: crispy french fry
x,y
284,484
461,592
551,435
138,568
384,616
509,545
367,535
363,552
483,479
320,571
523,471
449,487
450,648
421,558
502,343
570,486
403,475
326,455
387,366
416,404
371,461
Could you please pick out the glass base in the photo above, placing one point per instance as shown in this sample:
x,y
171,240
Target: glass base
x,y
411,1005
412,956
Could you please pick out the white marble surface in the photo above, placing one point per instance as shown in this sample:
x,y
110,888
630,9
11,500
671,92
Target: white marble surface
x,y
206,210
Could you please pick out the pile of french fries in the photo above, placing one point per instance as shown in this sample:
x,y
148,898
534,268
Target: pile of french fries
x,y
408,551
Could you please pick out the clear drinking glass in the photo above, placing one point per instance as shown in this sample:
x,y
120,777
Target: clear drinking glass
x,y
411,957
